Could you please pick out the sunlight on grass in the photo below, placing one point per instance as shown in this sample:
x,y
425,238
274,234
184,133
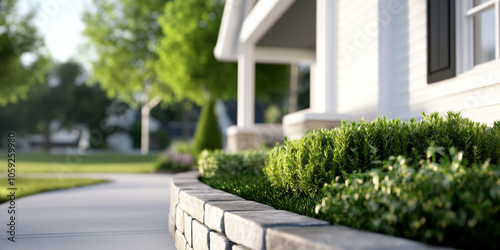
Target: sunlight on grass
x,y
91,163
29,186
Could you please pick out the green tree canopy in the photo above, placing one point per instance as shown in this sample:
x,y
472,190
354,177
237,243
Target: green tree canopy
x,y
124,35
64,97
22,60
186,59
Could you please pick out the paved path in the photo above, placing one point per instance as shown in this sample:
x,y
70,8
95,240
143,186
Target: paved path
x,y
129,213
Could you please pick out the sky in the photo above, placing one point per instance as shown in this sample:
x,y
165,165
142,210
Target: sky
x,y
59,22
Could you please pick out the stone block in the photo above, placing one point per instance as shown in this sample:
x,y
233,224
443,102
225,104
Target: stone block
x,y
240,247
214,211
238,139
179,240
334,237
219,241
249,228
200,236
175,188
188,247
195,174
179,219
193,201
171,227
171,210
188,229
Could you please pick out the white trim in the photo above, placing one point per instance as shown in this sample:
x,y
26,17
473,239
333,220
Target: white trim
x,y
480,8
228,44
264,14
497,29
232,17
283,55
465,35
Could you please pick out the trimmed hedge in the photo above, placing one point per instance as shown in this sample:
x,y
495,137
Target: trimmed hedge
x,y
305,165
447,203
218,162
207,135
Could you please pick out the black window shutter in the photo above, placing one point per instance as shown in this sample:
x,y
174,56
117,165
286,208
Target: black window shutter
x,y
441,60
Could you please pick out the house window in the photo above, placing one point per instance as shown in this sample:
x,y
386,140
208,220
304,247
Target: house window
x,y
482,15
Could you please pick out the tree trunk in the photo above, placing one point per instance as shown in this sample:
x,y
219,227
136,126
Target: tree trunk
x,y
145,130
145,111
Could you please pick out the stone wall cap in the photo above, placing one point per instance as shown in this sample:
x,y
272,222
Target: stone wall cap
x,y
336,237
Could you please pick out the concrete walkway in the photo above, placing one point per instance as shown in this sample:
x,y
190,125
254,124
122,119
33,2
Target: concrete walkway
x,y
129,213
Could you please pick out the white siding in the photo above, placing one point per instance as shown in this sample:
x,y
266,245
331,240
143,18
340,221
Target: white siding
x,y
357,63
475,92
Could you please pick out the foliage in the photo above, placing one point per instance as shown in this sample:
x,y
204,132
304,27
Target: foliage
x,y
183,147
186,59
162,136
125,35
19,39
29,186
444,203
163,139
63,97
174,161
218,162
305,165
257,188
208,135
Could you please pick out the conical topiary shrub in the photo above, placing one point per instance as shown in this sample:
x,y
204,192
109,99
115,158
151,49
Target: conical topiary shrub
x,y
207,135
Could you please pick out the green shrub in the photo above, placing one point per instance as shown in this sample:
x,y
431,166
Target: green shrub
x,y
305,165
218,162
446,203
161,136
207,135
183,147
163,139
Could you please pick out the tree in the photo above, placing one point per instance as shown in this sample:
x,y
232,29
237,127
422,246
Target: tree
x,y
22,60
186,60
124,34
207,134
63,97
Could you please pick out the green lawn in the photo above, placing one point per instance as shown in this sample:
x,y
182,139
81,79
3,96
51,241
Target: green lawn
x,y
89,163
29,186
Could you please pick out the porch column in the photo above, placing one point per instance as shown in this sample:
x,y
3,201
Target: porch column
x,y
246,87
325,89
323,93
243,135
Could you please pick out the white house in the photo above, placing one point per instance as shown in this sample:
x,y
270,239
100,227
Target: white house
x,y
368,58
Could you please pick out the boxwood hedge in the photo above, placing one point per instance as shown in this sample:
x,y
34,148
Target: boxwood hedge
x,y
218,162
305,165
443,203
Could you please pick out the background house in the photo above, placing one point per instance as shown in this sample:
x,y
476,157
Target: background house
x,y
367,58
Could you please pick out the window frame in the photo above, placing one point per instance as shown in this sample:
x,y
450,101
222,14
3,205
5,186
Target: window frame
x,y
465,37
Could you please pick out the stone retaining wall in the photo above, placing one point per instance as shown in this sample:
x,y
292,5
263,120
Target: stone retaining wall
x,y
205,218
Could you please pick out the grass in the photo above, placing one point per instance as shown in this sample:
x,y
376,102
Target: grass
x,y
29,186
90,163
256,187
